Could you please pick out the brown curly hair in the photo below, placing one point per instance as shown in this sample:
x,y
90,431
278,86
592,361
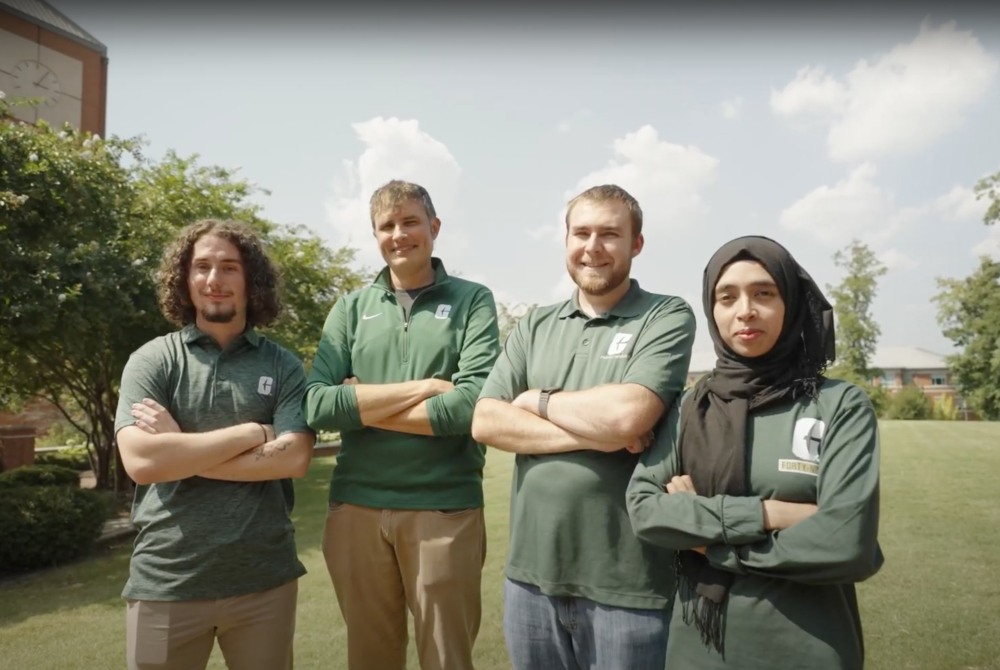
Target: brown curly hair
x,y
263,277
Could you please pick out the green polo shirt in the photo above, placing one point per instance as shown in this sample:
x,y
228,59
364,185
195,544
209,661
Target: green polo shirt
x,y
204,538
569,528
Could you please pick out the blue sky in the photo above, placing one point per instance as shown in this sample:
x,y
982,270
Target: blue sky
x,y
808,131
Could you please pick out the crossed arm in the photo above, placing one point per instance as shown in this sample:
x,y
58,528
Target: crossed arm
x,y
155,450
605,418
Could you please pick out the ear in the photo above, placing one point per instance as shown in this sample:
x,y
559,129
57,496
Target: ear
x,y
637,245
435,227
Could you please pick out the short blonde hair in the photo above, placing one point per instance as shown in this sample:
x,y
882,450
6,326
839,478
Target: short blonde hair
x,y
396,191
611,193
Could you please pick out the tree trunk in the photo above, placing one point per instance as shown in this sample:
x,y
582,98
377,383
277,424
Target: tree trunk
x,y
123,483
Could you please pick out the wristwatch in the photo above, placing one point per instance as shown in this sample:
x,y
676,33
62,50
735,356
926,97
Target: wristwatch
x,y
543,401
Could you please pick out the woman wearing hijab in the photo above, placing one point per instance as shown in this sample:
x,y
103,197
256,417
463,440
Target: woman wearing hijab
x,y
765,480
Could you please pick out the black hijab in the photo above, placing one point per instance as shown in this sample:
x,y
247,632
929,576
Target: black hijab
x,y
712,440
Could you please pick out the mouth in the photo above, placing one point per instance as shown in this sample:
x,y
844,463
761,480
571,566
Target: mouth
x,y
594,266
216,296
402,251
748,334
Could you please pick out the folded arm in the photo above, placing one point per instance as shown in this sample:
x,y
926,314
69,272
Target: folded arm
x,y
500,425
163,457
605,413
285,456
838,544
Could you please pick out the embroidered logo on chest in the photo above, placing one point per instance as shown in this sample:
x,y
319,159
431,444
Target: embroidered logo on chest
x,y
442,312
618,346
265,385
807,436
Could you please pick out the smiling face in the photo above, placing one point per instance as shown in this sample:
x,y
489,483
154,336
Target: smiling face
x,y
216,281
749,310
600,245
405,235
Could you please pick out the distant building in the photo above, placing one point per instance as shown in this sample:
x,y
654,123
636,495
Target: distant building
x,y
899,366
43,54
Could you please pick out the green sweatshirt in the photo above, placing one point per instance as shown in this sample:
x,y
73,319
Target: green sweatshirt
x,y
793,602
451,333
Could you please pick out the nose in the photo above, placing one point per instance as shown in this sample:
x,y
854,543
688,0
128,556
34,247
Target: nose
x,y
591,244
213,276
398,233
746,311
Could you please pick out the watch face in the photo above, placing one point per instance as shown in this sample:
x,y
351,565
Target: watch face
x,y
34,80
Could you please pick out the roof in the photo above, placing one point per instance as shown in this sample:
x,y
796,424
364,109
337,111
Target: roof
x,y
885,358
45,15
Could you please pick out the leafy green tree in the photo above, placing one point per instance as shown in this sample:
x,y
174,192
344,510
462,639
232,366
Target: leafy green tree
x,y
969,315
909,403
83,223
509,315
989,188
857,330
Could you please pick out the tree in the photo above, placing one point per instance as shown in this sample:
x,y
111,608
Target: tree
x,y
509,315
969,315
83,223
857,331
989,188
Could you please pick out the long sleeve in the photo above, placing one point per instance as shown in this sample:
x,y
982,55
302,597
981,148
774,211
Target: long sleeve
x,y
681,520
328,404
451,413
838,544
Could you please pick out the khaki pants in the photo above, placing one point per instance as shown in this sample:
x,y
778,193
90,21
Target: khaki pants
x,y
255,631
384,561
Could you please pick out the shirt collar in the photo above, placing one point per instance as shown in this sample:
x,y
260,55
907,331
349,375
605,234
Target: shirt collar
x,y
191,333
629,306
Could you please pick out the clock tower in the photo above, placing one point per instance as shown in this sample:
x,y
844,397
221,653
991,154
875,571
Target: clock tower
x,y
43,54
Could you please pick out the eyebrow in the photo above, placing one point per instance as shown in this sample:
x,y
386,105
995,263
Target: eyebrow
x,y
756,284
197,259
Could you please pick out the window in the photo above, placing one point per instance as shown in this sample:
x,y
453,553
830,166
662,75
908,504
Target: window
x,y
939,379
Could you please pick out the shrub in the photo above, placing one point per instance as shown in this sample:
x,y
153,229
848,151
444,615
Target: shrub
x,y
39,475
75,458
909,403
945,408
43,526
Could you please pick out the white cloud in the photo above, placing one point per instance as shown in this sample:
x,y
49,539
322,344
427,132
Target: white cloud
x,y
665,178
960,205
901,102
394,149
854,207
990,246
564,289
894,259
563,127
732,109
567,125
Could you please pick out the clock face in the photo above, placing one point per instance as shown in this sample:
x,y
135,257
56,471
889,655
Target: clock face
x,y
34,80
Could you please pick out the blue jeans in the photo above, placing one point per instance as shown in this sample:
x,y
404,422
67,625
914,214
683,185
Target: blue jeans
x,y
566,633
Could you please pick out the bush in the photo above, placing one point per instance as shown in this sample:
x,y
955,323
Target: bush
x,y
75,458
39,475
43,526
945,408
909,403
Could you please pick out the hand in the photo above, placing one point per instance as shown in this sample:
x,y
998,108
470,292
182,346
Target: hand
x,y
351,381
434,386
681,484
528,401
639,444
779,515
700,550
153,418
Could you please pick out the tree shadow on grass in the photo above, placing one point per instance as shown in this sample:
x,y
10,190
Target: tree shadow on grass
x,y
99,578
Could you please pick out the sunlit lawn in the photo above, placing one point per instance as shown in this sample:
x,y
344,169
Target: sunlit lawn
x,y
936,604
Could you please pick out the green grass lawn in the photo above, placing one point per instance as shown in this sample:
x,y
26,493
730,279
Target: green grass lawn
x,y
935,605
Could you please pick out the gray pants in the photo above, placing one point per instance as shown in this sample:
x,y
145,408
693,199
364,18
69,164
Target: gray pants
x,y
562,633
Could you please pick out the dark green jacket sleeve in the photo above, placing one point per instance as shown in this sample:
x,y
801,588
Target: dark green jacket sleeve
x,y
451,413
328,404
838,544
681,520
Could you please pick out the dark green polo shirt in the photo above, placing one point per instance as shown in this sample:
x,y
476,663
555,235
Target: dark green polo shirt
x,y
569,527
204,538
795,588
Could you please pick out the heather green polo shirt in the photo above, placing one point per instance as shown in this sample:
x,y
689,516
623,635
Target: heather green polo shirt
x,y
203,538
570,533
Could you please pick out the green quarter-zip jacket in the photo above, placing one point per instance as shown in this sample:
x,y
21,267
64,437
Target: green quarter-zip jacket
x,y
793,602
450,333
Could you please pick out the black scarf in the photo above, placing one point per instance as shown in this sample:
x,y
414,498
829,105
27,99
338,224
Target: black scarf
x,y
712,438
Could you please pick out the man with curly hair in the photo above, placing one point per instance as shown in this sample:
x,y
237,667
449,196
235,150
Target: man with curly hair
x,y
397,372
209,426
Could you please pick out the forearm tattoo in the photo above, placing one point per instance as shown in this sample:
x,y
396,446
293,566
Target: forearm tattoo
x,y
271,448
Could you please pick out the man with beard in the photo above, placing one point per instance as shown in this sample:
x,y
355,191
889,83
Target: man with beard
x,y
576,394
209,426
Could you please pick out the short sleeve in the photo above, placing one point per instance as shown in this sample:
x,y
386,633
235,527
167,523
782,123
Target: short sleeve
x,y
145,376
662,353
